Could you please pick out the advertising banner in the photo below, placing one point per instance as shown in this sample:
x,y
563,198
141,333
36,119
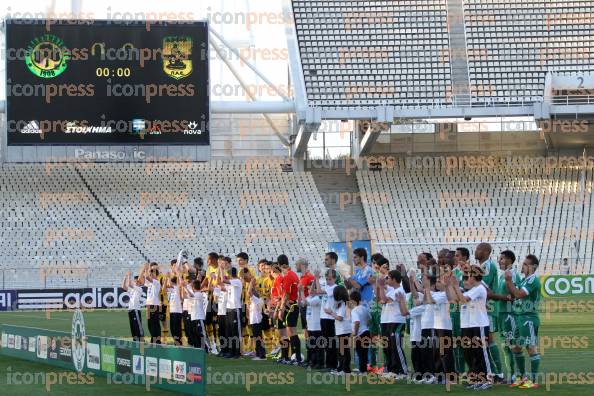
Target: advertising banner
x,y
343,265
177,369
85,298
365,244
555,286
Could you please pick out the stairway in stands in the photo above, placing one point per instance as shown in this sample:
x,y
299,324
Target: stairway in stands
x,y
109,215
461,90
342,199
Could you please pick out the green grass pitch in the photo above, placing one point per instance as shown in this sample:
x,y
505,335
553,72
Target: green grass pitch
x,y
563,330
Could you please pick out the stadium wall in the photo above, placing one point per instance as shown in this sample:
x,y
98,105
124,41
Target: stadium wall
x,y
453,142
58,299
553,286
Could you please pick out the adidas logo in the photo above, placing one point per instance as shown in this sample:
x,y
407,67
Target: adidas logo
x,y
32,128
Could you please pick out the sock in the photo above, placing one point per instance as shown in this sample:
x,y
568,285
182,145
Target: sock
x,y
459,360
246,341
372,356
520,363
495,358
285,349
268,340
534,364
510,358
296,347
208,330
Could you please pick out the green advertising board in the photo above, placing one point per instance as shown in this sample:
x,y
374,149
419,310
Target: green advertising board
x,y
178,369
567,285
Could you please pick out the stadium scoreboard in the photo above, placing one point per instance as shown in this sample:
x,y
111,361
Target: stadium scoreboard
x,y
91,82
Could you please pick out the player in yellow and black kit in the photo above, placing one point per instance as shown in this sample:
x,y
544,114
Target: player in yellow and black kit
x,y
164,298
264,283
246,274
211,309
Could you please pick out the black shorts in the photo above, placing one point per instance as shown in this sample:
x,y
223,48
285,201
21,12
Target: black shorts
x,y
279,324
265,324
303,314
163,313
292,315
208,320
243,317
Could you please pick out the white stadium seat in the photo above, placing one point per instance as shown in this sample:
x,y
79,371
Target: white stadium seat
x,y
426,209
101,220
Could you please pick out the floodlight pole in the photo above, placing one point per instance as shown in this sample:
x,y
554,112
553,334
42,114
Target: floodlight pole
x,y
76,7
283,140
249,64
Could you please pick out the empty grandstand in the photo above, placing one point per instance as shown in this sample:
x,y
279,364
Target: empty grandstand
x,y
370,53
439,52
381,68
102,220
528,209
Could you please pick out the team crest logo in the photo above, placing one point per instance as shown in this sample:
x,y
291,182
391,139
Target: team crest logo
x,y
177,56
79,341
47,56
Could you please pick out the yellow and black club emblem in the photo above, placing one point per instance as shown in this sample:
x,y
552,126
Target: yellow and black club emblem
x,y
177,56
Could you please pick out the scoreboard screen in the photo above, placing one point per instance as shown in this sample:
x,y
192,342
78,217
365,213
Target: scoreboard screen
x,y
90,82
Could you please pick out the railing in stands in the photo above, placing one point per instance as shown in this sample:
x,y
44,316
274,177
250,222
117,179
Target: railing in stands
x,y
45,277
573,100
493,102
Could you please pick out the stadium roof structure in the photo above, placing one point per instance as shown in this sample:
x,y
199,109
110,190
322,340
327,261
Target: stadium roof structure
x,y
386,59
381,60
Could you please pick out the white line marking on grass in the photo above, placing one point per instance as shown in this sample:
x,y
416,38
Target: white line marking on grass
x,y
21,315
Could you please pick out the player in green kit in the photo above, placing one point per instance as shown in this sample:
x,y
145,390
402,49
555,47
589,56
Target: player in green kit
x,y
462,257
375,309
380,266
525,308
490,279
506,319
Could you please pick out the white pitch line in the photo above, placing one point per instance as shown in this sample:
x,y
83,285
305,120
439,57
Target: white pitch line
x,y
20,315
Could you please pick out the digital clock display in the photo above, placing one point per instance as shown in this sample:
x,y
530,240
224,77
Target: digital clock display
x,y
107,82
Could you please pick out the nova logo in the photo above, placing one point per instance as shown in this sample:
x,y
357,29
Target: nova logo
x,y
193,129
563,286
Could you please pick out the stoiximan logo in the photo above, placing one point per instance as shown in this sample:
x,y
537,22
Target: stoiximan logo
x,y
79,341
564,286
47,56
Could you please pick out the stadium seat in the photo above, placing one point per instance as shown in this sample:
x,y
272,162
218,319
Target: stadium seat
x,y
529,210
101,220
